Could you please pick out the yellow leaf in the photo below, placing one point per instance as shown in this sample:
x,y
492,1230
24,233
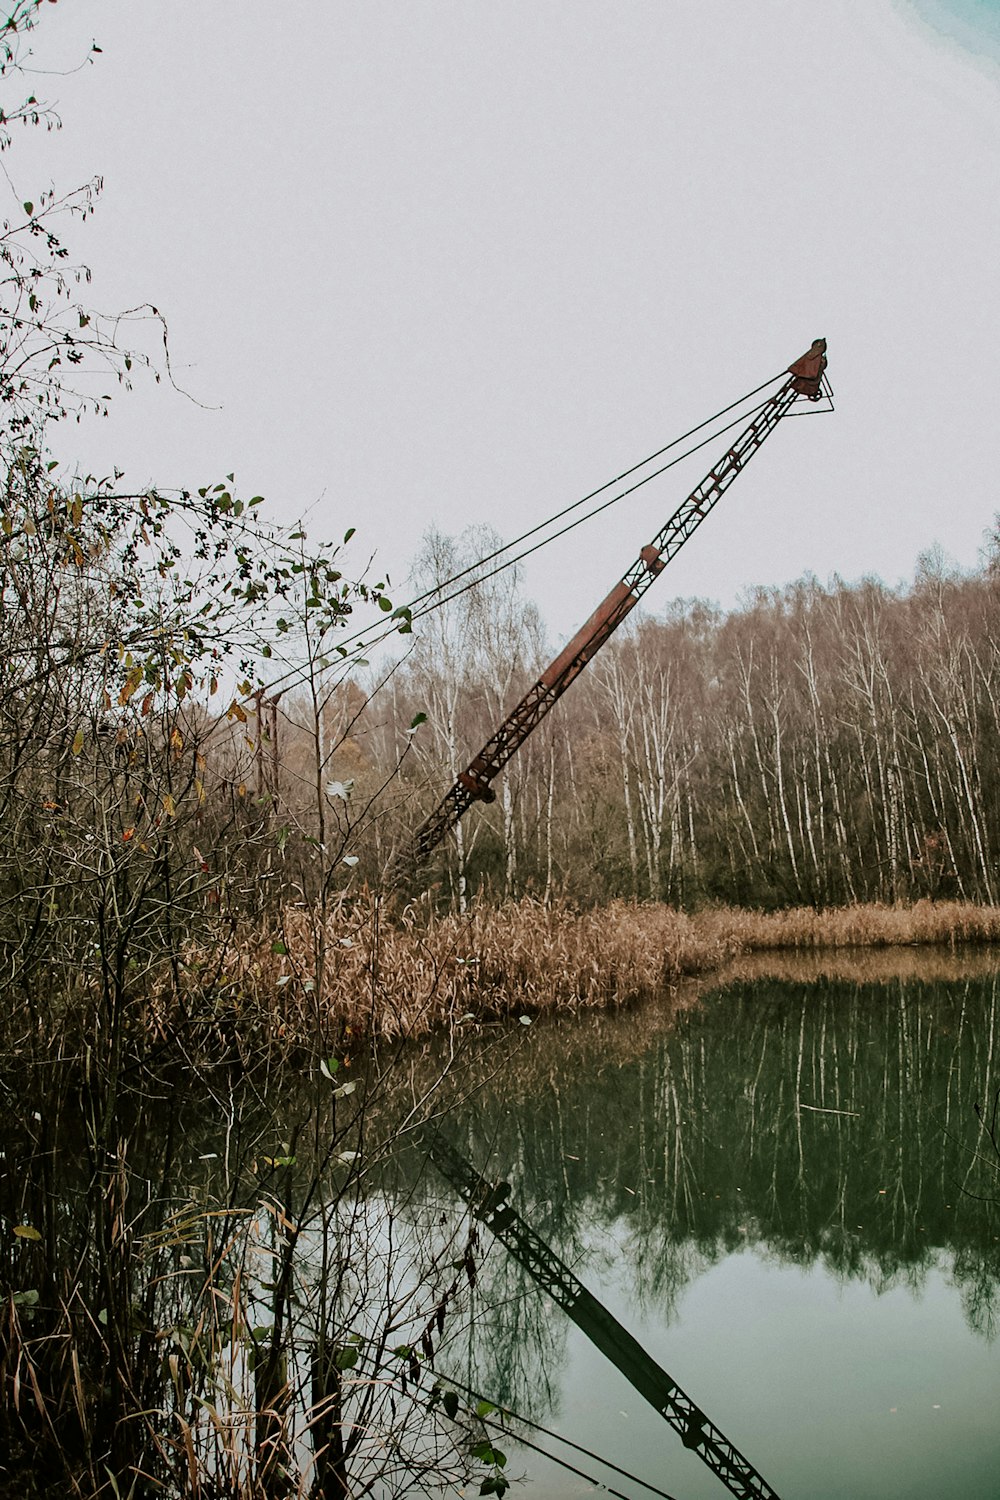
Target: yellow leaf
x,y
200,790
132,682
176,740
77,742
26,1232
76,510
169,806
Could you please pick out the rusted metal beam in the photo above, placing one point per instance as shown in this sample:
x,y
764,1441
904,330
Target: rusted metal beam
x,y
473,784
489,1202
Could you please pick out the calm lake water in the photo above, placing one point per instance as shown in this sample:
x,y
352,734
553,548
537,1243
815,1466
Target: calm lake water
x,y
778,1185
778,1188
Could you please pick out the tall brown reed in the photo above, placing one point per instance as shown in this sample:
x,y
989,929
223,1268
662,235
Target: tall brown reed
x,y
420,972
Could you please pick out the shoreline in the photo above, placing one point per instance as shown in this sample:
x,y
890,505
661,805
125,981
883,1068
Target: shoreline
x,y
361,975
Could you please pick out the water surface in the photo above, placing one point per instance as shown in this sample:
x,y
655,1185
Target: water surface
x,y
779,1189
778,1184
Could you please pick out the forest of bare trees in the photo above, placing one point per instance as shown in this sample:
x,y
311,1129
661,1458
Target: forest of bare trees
x,y
819,744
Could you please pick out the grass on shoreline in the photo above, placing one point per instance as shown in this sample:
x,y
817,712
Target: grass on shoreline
x,y
406,978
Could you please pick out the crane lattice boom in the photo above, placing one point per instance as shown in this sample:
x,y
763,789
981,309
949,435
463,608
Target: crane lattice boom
x,y
489,1204
473,784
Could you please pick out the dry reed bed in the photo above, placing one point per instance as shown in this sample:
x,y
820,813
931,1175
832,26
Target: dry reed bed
x,y
409,977
862,926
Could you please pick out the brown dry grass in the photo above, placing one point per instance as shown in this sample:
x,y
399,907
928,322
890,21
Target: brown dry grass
x,y
862,926
416,974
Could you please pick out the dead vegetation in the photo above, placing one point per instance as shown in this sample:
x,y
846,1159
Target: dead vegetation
x,y
361,974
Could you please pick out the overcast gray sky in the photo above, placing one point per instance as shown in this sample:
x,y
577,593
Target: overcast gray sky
x,y
450,261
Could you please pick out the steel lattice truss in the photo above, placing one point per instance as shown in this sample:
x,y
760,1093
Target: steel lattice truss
x,y
489,1204
474,783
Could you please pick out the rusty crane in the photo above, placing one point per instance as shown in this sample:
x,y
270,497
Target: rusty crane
x,y
805,380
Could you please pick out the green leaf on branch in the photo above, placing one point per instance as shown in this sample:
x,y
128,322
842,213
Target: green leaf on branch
x,y
496,1484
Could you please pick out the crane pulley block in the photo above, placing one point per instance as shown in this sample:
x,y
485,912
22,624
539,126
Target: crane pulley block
x,y
807,372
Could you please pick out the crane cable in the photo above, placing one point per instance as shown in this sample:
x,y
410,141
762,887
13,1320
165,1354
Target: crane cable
x,y
439,598
435,598
587,516
506,1411
564,1463
568,509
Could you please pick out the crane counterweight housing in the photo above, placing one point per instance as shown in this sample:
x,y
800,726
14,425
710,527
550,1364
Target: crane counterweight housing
x,y
805,378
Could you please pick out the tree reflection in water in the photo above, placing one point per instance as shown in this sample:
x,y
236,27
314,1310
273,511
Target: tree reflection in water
x,y
826,1123
829,1123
